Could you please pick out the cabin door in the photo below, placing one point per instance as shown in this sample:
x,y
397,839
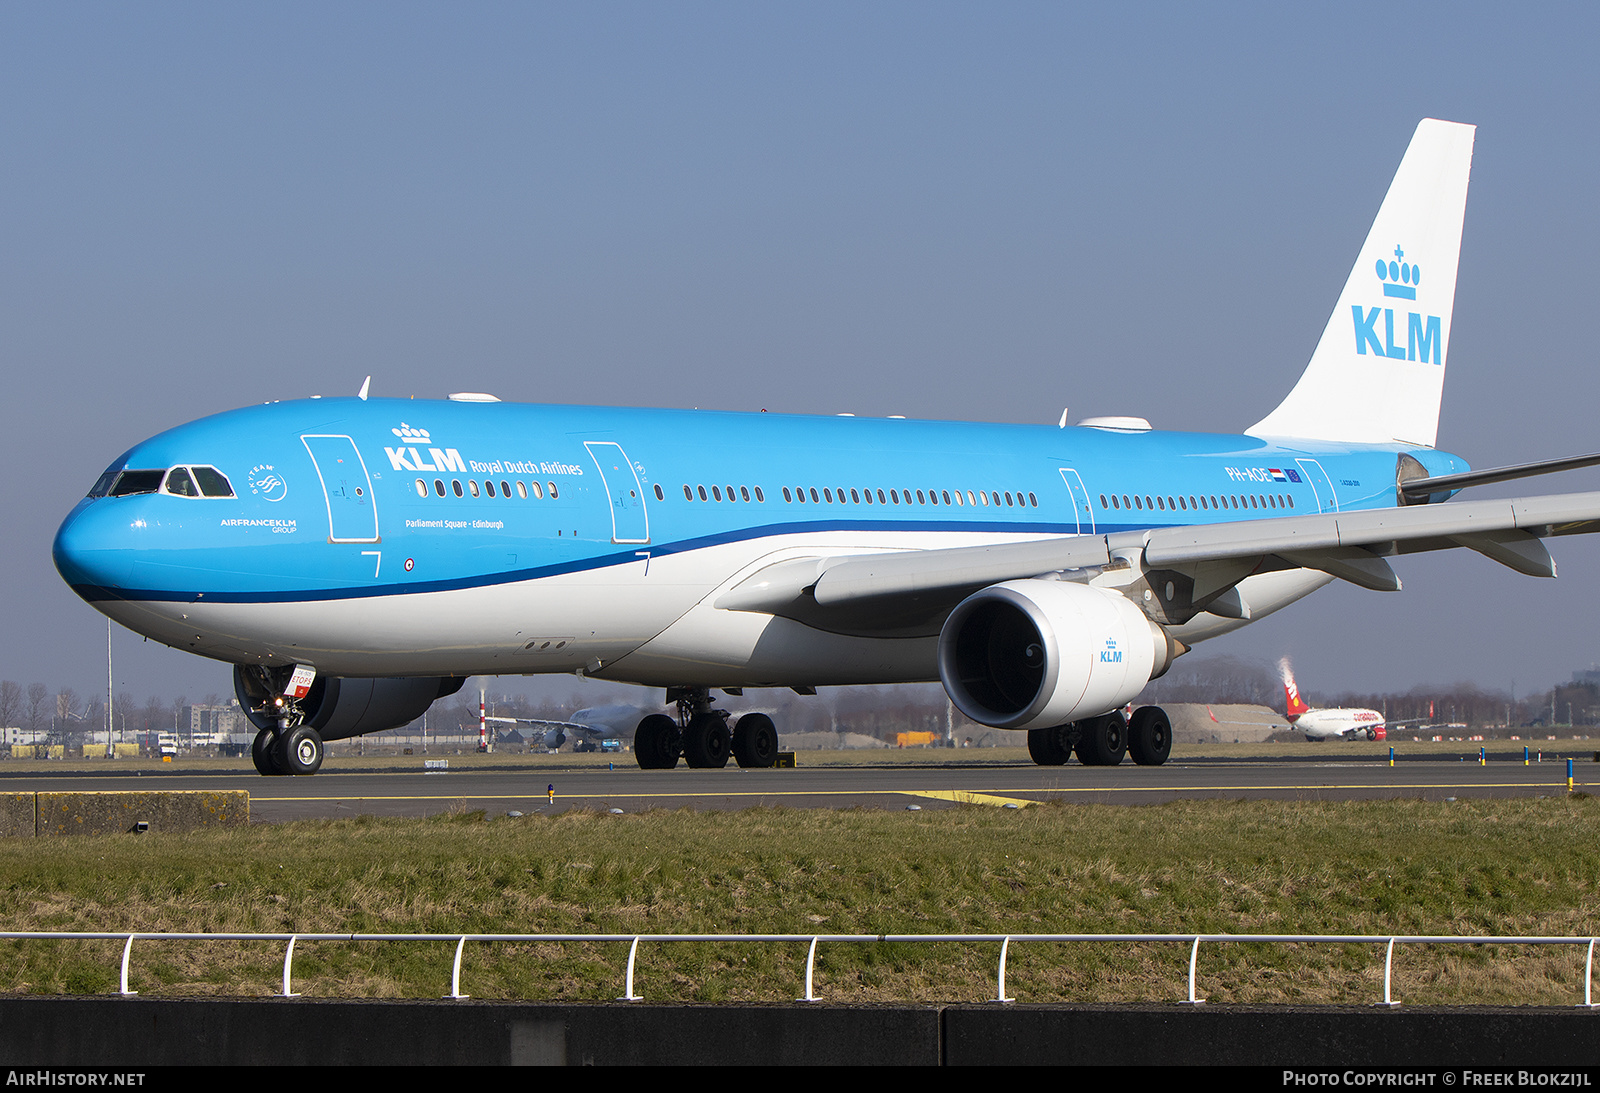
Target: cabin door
x,y
1082,513
630,523
352,515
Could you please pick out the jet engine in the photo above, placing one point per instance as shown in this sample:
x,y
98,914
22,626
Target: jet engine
x,y
343,707
1038,653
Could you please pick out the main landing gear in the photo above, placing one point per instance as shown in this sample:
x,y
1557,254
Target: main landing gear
x,y
700,735
1103,741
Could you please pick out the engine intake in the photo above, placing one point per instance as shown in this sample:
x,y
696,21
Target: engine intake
x,y
1032,654
339,708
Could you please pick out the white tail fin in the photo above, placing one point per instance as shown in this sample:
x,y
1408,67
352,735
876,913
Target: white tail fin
x,y
1378,373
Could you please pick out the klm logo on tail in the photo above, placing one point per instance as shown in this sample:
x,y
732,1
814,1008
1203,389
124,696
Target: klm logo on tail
x,y
1424,341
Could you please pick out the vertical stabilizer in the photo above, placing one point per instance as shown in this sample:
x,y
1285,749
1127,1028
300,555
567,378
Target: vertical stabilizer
x,y
1293,704
1377,375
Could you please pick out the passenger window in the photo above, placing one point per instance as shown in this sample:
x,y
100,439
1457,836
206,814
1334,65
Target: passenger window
x,y
488,487
472,485
881,499
455,484
660,494
701,490
438,486
505,488
688,494
894,497
744,493
422,488
759,495
786,496
1033,501
854,496
716,494
826,496
538,491
522,489
814,498
551,486
946,494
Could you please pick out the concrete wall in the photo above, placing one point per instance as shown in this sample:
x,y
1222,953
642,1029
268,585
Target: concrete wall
x,y
140,1032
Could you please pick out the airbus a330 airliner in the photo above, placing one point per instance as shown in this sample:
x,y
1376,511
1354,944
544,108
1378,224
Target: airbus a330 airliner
x,y
356,559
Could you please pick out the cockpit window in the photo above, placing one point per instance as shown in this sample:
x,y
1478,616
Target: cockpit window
x,y
102,485
131,482
213,483
180,483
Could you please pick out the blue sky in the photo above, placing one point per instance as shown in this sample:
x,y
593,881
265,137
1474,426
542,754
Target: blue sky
x,y
938,210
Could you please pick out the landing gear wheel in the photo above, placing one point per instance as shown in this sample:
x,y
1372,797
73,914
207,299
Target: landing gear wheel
x,y
1103,740
707,742
1050,747
300,751
1150,736
755,741
262,754
657,743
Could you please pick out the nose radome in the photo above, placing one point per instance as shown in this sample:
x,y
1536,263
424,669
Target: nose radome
x,y
91,550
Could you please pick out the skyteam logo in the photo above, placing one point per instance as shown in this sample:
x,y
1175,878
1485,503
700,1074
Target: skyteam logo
x,y
1424,337
267,484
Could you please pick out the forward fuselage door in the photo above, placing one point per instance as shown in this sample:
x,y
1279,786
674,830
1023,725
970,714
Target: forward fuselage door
x,y
346,487
1327,500
1082,512
630,523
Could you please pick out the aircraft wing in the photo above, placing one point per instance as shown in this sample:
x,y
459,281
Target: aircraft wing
x,y
565,726
907,591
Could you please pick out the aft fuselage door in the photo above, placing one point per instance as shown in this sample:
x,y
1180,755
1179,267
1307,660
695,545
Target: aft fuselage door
x,y
352,513
1082,512
1327,500
630,523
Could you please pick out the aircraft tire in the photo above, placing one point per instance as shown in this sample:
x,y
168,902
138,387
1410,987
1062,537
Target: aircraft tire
x,y
1102,741
262,754
656,743
300,751
1050,747
755,741
1150,736
707,742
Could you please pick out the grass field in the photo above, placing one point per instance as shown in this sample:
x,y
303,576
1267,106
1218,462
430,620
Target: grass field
x,y
1485,867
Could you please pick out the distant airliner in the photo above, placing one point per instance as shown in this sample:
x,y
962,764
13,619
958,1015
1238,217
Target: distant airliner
x,y
1324,724
357,559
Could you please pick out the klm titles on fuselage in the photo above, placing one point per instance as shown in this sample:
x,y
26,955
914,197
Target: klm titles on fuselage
x,y
449,460
1424,339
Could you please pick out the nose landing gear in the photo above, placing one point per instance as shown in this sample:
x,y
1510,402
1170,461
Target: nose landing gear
x,y
289,746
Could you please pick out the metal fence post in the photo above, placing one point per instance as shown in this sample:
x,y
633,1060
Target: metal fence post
x,y
288,957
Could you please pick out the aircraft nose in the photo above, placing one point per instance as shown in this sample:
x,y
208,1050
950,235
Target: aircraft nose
x,y
91,549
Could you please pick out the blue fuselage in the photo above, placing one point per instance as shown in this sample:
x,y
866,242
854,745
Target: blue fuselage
x,y
391,537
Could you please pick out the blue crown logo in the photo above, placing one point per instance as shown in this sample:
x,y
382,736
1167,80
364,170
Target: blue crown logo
x,y
1399,278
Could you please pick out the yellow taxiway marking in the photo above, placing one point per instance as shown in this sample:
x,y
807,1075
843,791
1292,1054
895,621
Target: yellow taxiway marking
x,y
990,797
967,797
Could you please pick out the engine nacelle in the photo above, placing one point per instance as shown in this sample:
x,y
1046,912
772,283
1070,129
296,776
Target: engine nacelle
x,y
339,708
1033,654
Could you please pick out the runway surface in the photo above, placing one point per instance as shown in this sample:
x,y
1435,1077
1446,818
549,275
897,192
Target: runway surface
x,y
348,790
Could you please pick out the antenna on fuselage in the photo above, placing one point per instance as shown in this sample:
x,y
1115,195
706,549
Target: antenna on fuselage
x,y
365,385
1062,424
